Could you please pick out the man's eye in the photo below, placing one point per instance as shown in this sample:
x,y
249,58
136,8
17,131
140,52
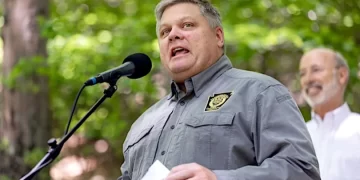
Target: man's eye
x,y
188,25
165,32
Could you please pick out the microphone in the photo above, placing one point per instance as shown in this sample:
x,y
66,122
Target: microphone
x,y
134,66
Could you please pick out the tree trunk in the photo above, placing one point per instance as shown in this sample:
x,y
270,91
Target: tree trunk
x,y
25,123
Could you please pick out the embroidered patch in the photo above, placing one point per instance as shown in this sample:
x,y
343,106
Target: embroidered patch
x,y
216,101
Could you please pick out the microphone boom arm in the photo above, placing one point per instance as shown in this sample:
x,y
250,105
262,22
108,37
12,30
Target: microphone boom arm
x,y
55,148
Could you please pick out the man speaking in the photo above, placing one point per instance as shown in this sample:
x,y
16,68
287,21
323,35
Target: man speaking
x,y
218,122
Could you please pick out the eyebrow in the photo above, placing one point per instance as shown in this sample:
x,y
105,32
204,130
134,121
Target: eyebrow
x,y
315,66
179,20
311,67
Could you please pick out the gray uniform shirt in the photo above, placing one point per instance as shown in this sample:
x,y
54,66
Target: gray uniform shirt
x,y
239,124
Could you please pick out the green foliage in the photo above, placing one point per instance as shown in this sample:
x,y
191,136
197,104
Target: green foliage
x,y
4,144
4,177
86,37
23,69
32,157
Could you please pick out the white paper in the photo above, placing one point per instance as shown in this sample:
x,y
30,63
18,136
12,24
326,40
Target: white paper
x,y
157,171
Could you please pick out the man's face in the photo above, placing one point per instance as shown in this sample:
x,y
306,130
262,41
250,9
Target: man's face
x,y
319,78
188,44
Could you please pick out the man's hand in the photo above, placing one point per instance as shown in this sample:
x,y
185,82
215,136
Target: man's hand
x,y
190,171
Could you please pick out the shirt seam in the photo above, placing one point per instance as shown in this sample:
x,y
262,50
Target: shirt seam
x,y
252,110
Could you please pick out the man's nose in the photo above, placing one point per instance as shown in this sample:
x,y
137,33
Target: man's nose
x,y
174,34
308,79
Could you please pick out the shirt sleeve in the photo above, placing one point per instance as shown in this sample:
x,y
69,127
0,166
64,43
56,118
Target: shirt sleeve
x,y
282,143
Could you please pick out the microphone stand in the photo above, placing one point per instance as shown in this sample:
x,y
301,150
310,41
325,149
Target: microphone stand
x,y
55,147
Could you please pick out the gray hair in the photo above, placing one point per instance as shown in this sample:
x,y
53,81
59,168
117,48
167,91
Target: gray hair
x,y
206,9
341,62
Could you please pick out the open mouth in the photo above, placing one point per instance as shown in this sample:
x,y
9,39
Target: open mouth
x,y
312,90
178,51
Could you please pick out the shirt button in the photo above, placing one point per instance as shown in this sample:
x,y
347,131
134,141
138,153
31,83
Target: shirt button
x,y
163,152
172,127
182,103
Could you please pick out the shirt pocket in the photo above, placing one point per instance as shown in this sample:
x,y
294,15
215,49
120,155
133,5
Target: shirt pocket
x,y
210,119
208,137
137,136
136,149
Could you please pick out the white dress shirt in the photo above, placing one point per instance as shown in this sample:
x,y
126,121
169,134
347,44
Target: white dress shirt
x,y
336,140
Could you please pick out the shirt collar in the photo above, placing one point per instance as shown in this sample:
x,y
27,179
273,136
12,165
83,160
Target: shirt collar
x,y
199,82
335,115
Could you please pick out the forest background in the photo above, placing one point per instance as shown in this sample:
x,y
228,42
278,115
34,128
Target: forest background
x,y
49,48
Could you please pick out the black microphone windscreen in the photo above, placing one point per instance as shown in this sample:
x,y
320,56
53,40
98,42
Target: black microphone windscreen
x,y
142,64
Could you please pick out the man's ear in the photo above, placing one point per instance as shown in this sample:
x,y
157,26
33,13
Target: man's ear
x,y
343,75
219,36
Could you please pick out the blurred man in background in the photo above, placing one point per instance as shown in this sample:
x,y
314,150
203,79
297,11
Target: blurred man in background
x,y
334,129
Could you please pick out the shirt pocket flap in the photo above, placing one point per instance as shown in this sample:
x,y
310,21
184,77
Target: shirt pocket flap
x,y
208,119
137,136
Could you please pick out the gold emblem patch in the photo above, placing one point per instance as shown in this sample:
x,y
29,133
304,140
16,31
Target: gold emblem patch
x,y
217,100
